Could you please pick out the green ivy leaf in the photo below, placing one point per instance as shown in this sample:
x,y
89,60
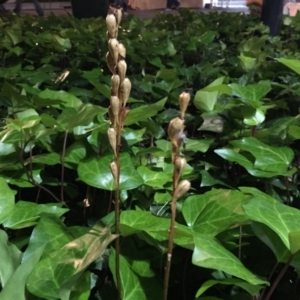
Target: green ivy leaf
x,y
26,214
10,258
208,253
145,111
251,94
7,200
133,136
50,232
250,288
96,172
15,287
293,64
214,211
267,158
68,99
153,178
206,100
284,220
137,279
63,267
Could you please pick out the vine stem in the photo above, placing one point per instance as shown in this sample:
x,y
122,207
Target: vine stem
x,y
117,214
278,278
170,249
63,167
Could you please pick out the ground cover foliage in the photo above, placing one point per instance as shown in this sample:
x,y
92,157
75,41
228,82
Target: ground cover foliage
x,y
237,229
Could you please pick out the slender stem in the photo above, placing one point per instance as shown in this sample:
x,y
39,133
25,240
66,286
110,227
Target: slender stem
x,y
269,279
278,278
170,249
63,167
30,177
240,242
117,213
287,191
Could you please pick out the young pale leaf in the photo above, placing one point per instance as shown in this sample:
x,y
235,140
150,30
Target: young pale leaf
x,y
251,94
208,253
10,258
7,200
293,64
137,279
282,219
65,265
206,100
215,211
96,172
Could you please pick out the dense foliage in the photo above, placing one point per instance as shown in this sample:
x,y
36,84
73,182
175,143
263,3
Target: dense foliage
x,y
237,231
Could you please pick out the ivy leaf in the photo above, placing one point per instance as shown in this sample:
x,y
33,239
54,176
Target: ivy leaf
x,y
251,94
214,211
15,287
153,178
250,288
293,64
267,158
206,100
96,172
145,111
50,232
64,266
68,99
26,214
10,258
208,253
137,279
282,219
7,200
269,161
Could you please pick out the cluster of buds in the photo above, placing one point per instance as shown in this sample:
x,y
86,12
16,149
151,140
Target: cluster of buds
x,y
177,136
120,86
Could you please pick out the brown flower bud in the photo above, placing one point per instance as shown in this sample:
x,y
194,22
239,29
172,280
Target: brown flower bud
x,y
118,14
181,189
115,172
176,127
113,50
122,50
122,68
125,91
112,26
115,108
115,84
179,165
123,114
184,100
110,62
112,137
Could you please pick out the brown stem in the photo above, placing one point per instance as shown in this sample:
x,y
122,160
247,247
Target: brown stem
x,y
253,130
117,213
287,191
30,177
278,278
240,242
269,279
63,167
170,249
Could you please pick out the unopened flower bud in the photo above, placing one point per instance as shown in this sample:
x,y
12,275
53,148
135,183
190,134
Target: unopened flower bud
x,y
179,165
115,108
122,50
125,91
115,84
181,189
122,68
112,26
115,172
184,100
112,137
113,50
